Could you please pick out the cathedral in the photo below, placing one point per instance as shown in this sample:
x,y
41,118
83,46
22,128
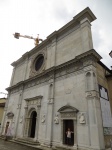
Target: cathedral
x,y
59,95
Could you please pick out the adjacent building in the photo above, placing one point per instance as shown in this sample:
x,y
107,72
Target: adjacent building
x,y
62,84
2,106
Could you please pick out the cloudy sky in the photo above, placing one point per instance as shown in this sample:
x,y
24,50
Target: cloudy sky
x,y
32,17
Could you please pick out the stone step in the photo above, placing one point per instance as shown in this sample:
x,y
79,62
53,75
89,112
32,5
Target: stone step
x,y
2,136
63,148
36,147
27,141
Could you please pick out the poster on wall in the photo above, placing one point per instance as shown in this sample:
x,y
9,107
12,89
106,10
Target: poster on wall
x,y
106,110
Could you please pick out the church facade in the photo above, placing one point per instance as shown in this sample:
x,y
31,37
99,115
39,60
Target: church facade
x,y
55,86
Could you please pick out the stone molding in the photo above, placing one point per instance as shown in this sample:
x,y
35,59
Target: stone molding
x,y
33,72
62,71
34,101
68,108
68,112
86,13
65,115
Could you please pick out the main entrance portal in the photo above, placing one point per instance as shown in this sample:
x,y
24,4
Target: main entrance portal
x,y
68,124
32,124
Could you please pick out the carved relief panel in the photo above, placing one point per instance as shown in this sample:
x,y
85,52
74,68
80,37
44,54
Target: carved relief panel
x,y
33,102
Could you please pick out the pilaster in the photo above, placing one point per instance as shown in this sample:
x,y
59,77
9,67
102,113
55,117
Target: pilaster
x,y
18,112
49,134
94,111
86,34
53,52
37,123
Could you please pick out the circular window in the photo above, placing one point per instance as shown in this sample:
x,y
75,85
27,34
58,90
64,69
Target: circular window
x,y
39,61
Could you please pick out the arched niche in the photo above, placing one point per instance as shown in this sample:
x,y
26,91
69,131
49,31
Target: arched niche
x,y
88,81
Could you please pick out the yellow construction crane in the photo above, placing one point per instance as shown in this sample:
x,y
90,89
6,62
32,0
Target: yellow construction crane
x,y
17,35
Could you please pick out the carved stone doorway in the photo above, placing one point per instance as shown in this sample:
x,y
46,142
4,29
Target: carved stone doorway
x,y
68,124
68,116
32,126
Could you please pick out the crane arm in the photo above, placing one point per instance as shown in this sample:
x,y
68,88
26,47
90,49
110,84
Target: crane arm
x,y
17,35
26,36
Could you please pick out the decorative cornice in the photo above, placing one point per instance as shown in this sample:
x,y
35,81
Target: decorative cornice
x,y
34,98
91,52
24,56
86,13
58,71
68,108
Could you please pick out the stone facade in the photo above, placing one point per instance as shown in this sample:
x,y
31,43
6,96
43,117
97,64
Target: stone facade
x,y
55,86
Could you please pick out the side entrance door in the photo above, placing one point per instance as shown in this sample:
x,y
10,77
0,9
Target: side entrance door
x,y
68,124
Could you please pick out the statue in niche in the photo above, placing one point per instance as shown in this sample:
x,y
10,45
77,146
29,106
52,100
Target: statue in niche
x,y
43,119
56,119
82,118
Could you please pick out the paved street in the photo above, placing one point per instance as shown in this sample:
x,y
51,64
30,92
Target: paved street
x,y
5,145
